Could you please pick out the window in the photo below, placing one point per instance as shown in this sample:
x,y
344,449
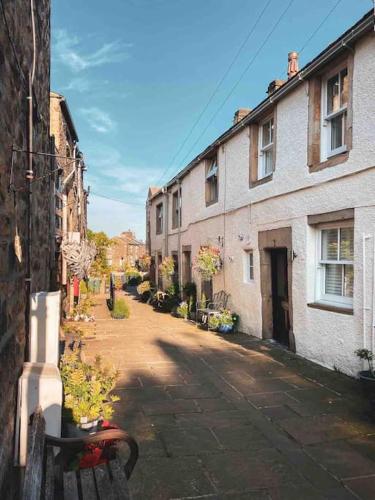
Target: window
x,y
249,266
335,103
266,138
176,209
212,191
159,218
335,270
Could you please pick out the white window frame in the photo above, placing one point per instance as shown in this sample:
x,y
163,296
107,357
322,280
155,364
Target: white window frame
x,y
320,295
248,265
326,122
262,174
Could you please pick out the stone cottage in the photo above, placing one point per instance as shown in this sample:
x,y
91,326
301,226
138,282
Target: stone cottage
x,y
287,195
27,222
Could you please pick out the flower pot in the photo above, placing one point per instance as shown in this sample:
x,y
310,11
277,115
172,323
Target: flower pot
x,y
88,425
225,328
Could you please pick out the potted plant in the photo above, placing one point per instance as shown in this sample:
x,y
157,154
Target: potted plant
x,y
166,267
226,321
183,310
208,262
367,376
120,309
223,321
144,290
87,389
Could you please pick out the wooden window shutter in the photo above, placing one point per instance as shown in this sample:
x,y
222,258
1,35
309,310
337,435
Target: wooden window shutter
x,y
313,142
254,134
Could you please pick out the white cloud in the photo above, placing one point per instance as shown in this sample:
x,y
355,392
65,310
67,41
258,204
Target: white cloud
x,y
79,84
109,175
68,52
98,120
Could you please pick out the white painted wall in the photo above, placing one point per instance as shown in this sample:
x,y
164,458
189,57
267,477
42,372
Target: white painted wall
x,y
323,336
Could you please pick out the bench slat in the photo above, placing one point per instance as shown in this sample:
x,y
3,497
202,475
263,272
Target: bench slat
x,y
103,483
87,484
119,480
34,466
70,486
49,488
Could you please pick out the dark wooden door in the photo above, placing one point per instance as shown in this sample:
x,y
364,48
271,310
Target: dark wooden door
x,y
280,298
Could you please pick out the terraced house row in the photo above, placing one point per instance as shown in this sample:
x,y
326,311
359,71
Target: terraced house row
x,y
288,195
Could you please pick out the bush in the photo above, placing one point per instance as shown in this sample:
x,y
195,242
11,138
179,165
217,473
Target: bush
x,y
120,309
183,310
87,387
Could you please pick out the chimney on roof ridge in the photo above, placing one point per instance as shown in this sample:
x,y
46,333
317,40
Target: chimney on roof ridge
x,y
292,64
239,114
274,85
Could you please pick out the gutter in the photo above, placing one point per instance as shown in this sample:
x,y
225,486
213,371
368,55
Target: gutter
x,y
364,25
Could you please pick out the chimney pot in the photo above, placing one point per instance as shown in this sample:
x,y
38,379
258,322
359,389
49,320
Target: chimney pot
x,y
239,114
292,64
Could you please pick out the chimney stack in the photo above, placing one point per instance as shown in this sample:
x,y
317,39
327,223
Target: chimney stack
x,y
274,85
239,114
292,64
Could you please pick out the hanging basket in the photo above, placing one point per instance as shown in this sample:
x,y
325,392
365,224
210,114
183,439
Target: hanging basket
x,y
208,262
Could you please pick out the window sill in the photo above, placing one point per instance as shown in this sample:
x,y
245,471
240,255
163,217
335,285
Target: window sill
x,y
263,180
330,162
210,203
332,308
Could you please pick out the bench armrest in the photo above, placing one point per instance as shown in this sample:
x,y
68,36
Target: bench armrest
x,y
97,437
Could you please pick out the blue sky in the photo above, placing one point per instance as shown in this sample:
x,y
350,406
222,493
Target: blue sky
x,y
138,73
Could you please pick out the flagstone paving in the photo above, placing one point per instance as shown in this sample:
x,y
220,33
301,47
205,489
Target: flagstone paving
x,y
232,417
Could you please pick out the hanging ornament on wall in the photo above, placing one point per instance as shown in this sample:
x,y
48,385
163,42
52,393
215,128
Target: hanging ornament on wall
x,y
18,246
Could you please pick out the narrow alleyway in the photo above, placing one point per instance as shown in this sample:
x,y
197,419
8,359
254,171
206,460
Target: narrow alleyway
x,y
232,417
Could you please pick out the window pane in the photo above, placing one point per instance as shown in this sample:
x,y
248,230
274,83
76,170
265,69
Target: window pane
x,y
346,243
333,94
268,162
251,265
333,279
337,131
348,280
267,133
329,244
344,84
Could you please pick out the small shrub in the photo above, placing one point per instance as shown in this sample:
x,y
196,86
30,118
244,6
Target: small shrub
x,y
367,355
183,310
120,309
83,287
143,287
213,322
87,387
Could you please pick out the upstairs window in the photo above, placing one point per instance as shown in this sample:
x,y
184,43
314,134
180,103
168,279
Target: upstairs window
x,y
212,191
176,209
159,218
266,138
335,270
335,104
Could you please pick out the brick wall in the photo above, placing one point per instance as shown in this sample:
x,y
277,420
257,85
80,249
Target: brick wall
x,y
13,206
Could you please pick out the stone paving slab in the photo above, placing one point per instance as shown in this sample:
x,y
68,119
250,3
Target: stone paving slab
x,y
232,417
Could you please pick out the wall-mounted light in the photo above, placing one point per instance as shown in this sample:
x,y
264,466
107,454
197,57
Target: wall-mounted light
x,y
241,237
231,258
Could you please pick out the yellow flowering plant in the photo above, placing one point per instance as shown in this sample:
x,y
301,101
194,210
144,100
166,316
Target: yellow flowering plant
x,y
87,387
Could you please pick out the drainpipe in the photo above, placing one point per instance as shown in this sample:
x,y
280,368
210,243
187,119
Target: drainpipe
x,y
373,299
166,221
179,253
364,294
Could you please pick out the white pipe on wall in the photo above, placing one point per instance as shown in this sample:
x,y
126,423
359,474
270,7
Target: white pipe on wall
x,y
373,299
364,294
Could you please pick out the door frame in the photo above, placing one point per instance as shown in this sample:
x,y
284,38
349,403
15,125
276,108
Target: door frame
x,y
268,240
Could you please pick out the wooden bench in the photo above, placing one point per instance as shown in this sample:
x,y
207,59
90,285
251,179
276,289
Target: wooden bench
x,y
218,303
45,479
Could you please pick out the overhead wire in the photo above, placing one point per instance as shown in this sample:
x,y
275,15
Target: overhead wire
x,y
230,93
213,94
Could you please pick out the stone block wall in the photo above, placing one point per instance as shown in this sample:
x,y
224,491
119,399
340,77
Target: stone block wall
x,y
15,64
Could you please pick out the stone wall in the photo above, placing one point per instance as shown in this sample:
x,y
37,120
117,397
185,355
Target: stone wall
x,y
15,63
